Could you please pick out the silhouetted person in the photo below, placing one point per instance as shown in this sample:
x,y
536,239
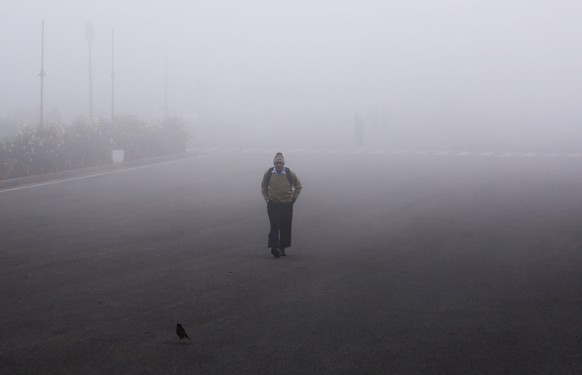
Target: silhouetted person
x,y
181,332
281,188
359,126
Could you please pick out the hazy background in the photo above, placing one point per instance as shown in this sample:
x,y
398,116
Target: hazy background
x,y
463,74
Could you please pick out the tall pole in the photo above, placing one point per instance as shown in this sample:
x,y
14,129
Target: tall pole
x,y
112,78
166,83
89,36
42,74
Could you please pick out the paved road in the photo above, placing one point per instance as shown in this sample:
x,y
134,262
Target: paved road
x,y
402,263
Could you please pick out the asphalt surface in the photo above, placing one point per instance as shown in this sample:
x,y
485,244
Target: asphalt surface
x,y
400,264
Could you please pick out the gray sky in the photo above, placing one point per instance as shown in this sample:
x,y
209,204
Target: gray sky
x,y
418,63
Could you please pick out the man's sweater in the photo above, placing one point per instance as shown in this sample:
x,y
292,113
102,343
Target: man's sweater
x,y
278,189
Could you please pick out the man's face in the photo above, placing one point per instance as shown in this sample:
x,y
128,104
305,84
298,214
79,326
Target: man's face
x,y
279,166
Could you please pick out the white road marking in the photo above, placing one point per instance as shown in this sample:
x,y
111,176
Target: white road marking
x,y
210,151
123,170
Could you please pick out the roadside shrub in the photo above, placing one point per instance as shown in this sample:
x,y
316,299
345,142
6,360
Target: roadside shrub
x,y
86,144
175,135
4,162
140,139
51,148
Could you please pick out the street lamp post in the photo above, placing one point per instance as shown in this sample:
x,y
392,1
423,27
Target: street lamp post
x,y
166,83
89,36
41,75
112,78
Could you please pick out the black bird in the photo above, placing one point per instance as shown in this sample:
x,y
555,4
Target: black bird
x,y
181,332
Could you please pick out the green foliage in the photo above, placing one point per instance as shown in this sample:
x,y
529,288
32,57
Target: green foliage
x,y
140,139
9,127
131,134
51,148
87,144
33,150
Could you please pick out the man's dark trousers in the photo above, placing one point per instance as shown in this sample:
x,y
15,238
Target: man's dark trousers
x,y
280,218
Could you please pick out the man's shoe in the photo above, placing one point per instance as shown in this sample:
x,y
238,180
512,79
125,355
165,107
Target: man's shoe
x,y
276,252
283,252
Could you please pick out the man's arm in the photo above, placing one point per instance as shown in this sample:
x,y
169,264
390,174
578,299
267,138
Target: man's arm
x,y
297,185
265,187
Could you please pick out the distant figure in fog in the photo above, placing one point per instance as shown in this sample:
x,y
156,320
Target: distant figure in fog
x,y
359,126
281,188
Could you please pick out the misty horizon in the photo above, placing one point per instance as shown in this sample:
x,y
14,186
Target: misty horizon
x,y
494,69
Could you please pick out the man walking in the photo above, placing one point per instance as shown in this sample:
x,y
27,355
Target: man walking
x,y
281,188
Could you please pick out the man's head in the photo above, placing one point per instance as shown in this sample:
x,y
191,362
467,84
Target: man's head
x,y
279,161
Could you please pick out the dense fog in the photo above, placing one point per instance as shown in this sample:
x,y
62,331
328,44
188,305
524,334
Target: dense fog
x,y
449,74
